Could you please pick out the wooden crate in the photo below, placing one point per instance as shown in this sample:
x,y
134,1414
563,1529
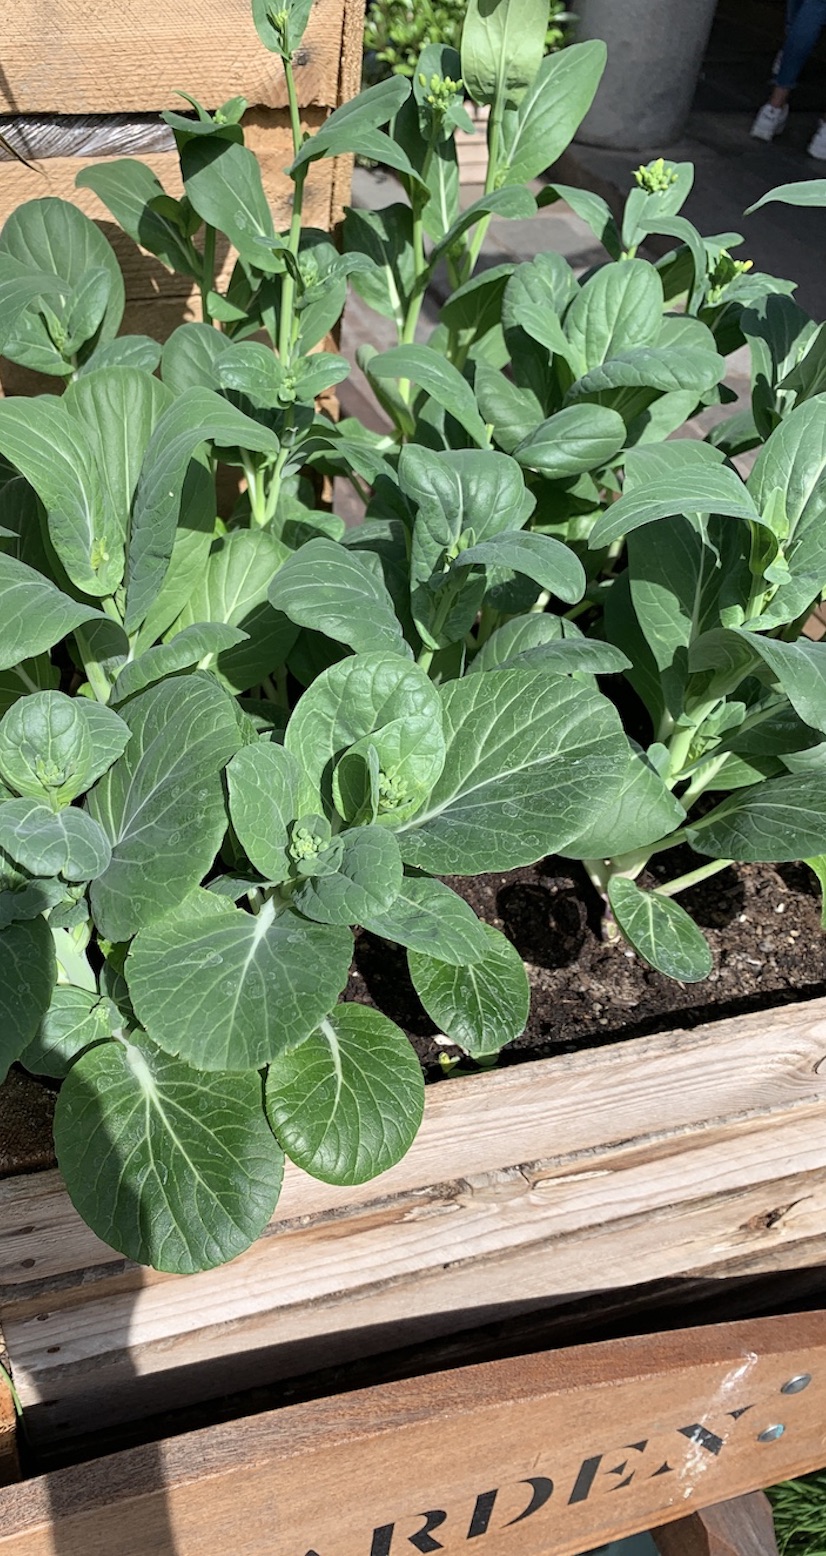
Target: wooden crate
x,y
548,1454
672,1159
84,57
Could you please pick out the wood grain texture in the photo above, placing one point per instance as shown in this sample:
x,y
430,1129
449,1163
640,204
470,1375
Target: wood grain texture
x,y
683,1156
600,1440
742,1526
85,56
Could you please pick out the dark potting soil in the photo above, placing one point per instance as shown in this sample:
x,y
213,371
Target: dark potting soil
x,y
762,923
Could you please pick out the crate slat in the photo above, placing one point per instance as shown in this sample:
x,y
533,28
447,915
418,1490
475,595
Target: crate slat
x,y
553,1452
87,57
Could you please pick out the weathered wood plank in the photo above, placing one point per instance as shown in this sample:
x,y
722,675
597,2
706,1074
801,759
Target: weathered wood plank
x,y
688,1155
86,57
9,1464
588,1443
742,1526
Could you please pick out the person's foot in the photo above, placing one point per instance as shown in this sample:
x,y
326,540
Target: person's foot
x,y
817,144
769,122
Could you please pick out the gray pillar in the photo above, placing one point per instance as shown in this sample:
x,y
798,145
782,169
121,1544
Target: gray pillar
x,y
655,50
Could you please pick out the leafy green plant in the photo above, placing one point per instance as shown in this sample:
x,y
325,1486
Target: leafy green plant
x,y
227,741
395,32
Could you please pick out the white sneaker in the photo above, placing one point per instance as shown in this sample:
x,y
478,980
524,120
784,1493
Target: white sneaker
x,y
770,121
817,144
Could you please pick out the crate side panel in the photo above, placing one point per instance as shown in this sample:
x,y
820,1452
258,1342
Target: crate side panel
x,y
84,57
587,1443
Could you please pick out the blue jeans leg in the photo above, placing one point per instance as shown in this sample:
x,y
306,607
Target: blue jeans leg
x,y
807,18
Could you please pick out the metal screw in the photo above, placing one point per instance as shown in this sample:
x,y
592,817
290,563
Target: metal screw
x,y
798,1384
771,1434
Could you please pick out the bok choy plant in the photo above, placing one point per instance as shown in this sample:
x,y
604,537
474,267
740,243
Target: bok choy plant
x,y
228,741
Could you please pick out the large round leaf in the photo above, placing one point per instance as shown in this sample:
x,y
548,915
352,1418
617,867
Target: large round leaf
x,y
481,1006
162,804
347,1103
228,990
172,1167
67,843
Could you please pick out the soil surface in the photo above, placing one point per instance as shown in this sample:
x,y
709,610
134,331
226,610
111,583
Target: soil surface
x,y
762,923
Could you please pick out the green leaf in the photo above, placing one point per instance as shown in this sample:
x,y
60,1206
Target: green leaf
x,y
779,820
366,881
53,451
502,48
68,843
590,208
575,439
173,1167
19,286
347,1103
438,378
228,990
54,747
799,668
660,930
191,355
506,407
293,17
75,1019
551,111
196,415
336,592
386,237
509,204
526,752
53,237
537,642
349,127
130,190
427,916
618,308
232,588
811,191
480,1007
223,183
639,810
27,975
547,561
791,470
672,479
818,865
118,409
268,791
127,351
370,698
667,369
197,645
162,805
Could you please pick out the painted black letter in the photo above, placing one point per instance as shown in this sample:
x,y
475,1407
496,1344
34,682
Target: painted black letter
x,y
480,1518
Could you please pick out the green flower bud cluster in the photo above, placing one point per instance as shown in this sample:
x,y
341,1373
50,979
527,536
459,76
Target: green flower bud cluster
x,y
306,844
440,92
723,272
393,792
656,177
